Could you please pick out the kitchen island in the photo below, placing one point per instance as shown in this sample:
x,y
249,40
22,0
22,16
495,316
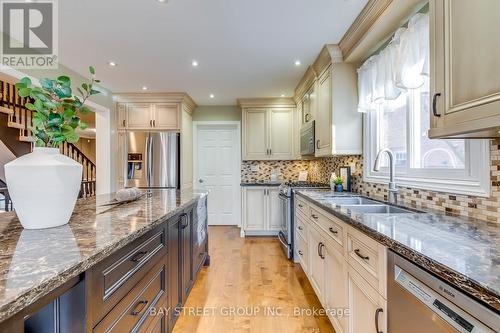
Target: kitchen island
x,y
108,267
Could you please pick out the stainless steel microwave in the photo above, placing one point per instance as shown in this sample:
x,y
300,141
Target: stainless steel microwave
x,y
307,139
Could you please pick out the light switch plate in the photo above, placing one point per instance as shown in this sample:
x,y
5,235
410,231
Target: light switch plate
x,y
254,168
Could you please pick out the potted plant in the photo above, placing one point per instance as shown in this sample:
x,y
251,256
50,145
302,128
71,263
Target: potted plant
x,y
338,184
44,184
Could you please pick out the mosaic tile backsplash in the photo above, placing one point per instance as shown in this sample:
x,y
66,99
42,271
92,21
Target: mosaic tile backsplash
x,y
320,170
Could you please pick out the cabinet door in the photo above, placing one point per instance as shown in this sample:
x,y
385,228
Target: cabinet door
x,y
255,139
275,212
281,133
120,160
187,253
324,115
368,308
186,150
139,115
335,293
316,262
313,103
166,116
254,208
121,115
464,66
174,268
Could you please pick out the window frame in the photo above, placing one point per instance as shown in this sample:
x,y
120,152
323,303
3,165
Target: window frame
x,y
474,180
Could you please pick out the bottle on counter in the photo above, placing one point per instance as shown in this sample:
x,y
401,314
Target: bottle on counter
x,y
332,181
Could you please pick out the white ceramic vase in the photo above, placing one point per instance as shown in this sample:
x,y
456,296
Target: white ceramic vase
x,y
44,187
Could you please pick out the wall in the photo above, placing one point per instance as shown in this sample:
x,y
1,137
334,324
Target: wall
x,y
88,147
217,113
468,206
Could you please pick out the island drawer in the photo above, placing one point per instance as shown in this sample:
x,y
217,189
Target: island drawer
x,y
334,228
115,276
132,313
301,205
301,226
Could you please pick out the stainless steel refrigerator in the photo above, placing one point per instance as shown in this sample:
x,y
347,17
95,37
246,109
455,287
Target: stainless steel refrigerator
x,y
152,160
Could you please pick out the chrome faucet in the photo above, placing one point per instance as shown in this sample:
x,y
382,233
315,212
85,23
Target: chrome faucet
x,y
393,191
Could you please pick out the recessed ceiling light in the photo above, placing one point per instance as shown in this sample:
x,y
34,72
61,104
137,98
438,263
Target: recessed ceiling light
x,y
282,95
112,63
297,63
144,88
161,1
212,95
194,63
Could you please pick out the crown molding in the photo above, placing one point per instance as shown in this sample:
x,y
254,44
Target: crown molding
x,y
362,24
170,97
266,102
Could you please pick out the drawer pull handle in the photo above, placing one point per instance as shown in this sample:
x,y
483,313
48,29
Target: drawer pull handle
x,y
314,216
434,105
300,206
136,312
138,256
300,227
300,252
333,231
360,255
377,313
321,246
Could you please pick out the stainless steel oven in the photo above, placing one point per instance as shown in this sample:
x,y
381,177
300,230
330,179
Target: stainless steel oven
x,y
307,139
419,302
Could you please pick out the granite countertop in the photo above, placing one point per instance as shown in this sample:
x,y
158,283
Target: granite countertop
x,y
260,183
464,252
35,262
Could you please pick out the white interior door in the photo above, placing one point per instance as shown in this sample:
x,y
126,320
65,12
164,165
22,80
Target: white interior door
x,y
217,169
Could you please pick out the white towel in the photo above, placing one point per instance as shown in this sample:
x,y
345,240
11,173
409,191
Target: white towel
x,y
128,194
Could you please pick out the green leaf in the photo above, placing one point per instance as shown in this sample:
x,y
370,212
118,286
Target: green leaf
x,y
47,84
84,110
20,85
62,91
55,120
83,125
94,92
38,122
64,80
30,106
80,91
92,70
39,105
40,143
24,92
74,122
85,87
98,81
72,138
67,129
68,114
26,81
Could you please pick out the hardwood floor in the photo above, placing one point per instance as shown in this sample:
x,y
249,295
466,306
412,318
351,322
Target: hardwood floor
x,y
252,277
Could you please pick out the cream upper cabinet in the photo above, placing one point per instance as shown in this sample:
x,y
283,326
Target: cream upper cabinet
x,y
269,130
338,123
186,149
465,71
121,115
166,116
139,115
368,309
255,136
281,133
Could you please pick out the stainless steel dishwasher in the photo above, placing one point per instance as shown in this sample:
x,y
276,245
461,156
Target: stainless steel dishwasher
x,y
418,302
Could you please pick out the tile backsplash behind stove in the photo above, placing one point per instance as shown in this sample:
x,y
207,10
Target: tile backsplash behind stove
x,y
289,170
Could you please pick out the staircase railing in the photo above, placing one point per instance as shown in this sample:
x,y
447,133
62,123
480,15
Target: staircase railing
x,y
20,117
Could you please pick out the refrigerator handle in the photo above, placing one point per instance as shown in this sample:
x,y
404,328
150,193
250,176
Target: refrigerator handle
x,y
146,160
150,156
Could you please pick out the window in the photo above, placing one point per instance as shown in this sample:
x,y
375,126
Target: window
x,y
394,95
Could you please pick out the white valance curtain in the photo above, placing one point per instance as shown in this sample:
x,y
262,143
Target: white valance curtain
x,y
402,65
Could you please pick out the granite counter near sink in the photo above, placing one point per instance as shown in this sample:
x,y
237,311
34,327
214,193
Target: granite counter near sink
x,y
463,252
35,262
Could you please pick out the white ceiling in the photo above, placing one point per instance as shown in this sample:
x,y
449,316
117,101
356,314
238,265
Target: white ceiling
x,y
245,48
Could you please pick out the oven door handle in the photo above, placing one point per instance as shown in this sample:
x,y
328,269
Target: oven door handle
x,y
282,239
283,197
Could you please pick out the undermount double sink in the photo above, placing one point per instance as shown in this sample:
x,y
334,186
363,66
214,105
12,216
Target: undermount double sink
x,y
367,206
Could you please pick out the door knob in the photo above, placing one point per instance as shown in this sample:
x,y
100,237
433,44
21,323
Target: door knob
x,y
200,180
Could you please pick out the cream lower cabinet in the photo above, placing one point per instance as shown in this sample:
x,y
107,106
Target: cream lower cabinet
x,y
464,66
261,212
352,303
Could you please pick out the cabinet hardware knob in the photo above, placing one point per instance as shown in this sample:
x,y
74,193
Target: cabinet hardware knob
x,y
308,117
360,255
136,312
317,144
300,228
300,205
314,216
434,105
138,256
123,122
333,231
300,252
377,314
